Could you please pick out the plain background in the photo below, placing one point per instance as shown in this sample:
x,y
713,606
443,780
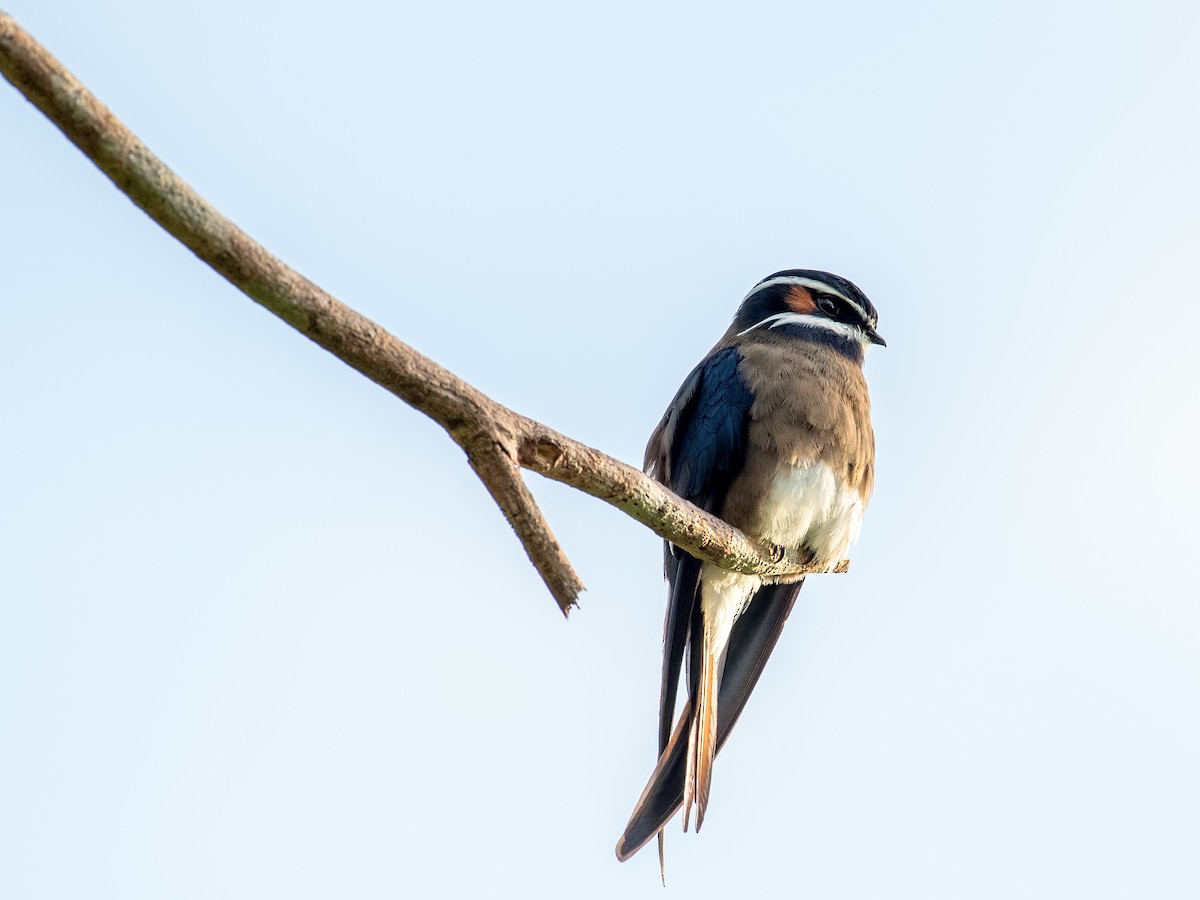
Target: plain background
x,y
263,634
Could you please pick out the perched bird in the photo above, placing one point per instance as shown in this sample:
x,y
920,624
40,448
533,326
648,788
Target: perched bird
x,y
772,433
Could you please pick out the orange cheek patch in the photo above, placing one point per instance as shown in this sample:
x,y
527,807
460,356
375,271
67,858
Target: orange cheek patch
x,y
799,300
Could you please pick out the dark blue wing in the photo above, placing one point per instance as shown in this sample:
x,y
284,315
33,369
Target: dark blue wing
x,y
710,432
696,451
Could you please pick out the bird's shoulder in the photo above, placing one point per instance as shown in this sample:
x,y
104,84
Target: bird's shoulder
x,y
701,435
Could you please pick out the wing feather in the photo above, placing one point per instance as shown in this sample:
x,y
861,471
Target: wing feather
x,y
696,450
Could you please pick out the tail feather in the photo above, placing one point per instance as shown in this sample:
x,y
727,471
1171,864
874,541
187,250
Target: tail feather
x,y
754,637
704,732
663,794
689,777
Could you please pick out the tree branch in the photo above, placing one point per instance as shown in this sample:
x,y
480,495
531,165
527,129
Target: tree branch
x,y
497,440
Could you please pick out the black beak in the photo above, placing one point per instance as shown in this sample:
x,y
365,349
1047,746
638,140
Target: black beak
x,y
873,337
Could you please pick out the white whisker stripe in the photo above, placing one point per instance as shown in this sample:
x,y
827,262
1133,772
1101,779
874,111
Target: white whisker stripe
x,y
812,283
791,318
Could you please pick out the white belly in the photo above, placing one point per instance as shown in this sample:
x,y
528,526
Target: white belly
x,y
807,506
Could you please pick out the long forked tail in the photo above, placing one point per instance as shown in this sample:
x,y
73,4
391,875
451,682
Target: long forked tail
x,y
754,637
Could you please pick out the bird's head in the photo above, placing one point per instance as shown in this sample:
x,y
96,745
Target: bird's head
x,y
810,299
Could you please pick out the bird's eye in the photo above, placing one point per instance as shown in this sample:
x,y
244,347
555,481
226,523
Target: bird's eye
x,y
826,304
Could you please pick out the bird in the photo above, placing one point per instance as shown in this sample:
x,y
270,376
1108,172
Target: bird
x,y
772,433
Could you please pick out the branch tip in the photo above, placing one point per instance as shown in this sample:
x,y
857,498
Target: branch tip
x,y
501,476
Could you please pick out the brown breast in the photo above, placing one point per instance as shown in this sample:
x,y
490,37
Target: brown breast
x,y
810,405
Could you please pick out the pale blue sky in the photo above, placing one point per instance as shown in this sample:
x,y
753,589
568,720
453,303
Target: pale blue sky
x,y
263,634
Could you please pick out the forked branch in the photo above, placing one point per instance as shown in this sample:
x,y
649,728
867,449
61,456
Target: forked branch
x,y
497,441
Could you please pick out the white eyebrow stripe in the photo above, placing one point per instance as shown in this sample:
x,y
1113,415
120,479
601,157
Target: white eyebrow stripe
x,y
791,318
801,281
